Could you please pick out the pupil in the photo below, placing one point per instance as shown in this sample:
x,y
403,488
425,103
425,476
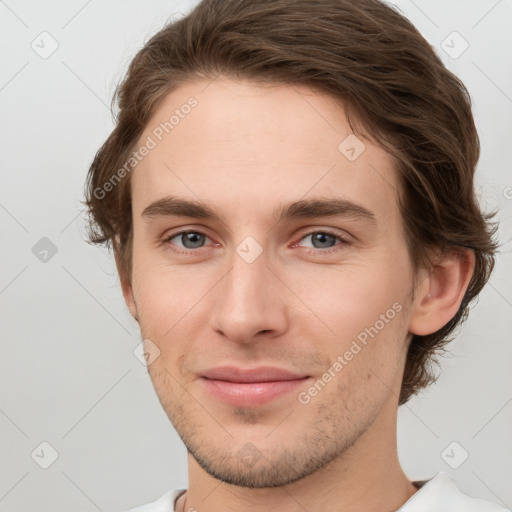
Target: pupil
x,y
192,238
322,238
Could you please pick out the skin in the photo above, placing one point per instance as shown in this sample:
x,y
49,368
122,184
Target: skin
x,y
245,149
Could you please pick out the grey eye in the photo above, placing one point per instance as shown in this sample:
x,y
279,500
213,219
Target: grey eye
x,y
321,240
190,239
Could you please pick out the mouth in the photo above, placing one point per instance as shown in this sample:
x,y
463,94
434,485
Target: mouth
x,y
250,387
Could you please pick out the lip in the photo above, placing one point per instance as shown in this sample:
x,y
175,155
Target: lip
x,y
251,386
259,374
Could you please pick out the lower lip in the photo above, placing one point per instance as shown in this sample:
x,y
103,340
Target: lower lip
x,y
249,394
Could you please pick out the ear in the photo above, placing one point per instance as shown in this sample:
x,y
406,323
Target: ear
x,y
441,292
126,287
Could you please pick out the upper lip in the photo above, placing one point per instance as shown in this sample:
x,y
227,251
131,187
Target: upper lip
x,y
260,374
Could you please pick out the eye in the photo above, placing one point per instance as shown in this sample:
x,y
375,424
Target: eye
x,y
325,241
190,240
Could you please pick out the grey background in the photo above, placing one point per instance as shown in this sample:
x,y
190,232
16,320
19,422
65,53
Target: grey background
x,y
68,373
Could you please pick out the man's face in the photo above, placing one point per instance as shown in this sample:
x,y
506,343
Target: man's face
x,y
247,290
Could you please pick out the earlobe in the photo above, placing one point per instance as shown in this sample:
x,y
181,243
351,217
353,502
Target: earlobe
x,y
442,291
126,287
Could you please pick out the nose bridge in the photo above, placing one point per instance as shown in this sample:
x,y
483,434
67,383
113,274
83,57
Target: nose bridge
x,y
247,301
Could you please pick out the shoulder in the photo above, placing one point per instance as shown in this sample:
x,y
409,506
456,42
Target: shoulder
x,y
442,494
163,504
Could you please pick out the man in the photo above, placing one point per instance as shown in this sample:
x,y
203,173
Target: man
x,y
279,195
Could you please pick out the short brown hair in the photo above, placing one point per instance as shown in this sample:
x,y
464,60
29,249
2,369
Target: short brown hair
x,y
394,89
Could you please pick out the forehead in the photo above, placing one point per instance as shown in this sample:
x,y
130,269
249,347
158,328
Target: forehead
x,y
245,146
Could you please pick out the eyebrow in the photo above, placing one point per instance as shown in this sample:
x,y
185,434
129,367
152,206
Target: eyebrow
x,y
304,208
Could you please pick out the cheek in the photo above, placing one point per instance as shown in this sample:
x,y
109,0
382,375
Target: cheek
x,y
165,292
169,303
359,322
347,299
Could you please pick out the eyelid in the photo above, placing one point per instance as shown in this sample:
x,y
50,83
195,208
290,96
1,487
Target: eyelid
x,y
343,241
168,237
343,238
328,231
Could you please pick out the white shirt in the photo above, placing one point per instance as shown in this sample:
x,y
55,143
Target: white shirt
x,y
439,494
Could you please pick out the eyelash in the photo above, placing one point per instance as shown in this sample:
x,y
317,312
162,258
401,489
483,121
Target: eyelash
x,y
329,250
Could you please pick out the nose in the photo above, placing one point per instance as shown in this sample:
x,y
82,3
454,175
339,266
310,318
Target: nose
x,y
250,301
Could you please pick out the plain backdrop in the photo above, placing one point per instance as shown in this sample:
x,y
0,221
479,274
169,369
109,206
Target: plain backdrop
x,y
69,377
